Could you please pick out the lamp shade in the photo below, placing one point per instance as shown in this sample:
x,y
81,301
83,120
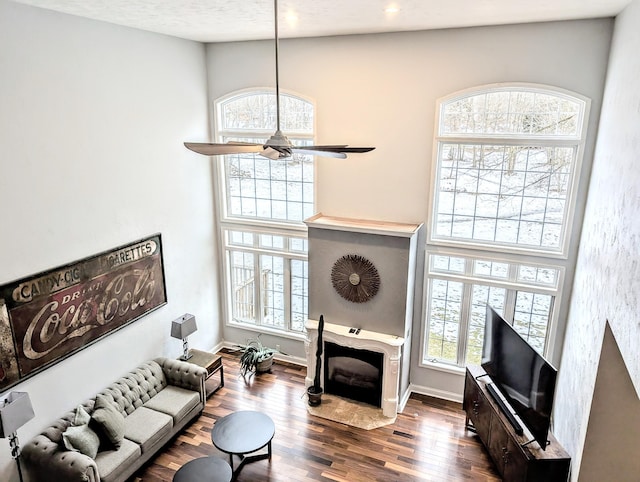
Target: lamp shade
x,y
183,326
15,411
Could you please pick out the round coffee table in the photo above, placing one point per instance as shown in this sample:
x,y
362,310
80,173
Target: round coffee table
x,y
242,433
210,469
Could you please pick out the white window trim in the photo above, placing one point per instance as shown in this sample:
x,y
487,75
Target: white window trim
x,y
256,226
552,327
563,251
219,166
258,251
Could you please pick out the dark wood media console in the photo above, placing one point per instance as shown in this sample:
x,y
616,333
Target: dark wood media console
x,y
515,458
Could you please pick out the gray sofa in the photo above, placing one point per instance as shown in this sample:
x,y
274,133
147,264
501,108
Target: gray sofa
x,y
154,402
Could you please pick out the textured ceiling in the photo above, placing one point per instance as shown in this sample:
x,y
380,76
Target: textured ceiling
x,y
231,20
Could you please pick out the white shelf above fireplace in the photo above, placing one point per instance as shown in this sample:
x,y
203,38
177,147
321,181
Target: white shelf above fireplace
x,y
364,335
384,228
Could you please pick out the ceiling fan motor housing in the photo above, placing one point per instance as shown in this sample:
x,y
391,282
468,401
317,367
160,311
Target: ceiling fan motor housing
x,y
280,143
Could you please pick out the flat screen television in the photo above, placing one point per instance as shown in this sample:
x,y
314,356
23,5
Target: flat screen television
x,y
520,373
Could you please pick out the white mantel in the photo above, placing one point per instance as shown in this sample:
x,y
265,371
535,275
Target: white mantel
x,y
381,228
389,345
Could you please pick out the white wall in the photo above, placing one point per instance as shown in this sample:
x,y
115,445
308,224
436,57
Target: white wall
x,y
92,120
607,281
381,90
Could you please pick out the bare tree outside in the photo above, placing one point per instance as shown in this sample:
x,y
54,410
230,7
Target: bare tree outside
x,y
506,162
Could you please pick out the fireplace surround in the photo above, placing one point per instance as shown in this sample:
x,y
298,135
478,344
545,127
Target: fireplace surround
x,y
388,346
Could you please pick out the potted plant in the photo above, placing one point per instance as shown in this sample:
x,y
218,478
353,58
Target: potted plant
x,y
256,357
314,392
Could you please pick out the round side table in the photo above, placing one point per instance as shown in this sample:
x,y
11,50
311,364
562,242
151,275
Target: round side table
x,y
209,469
242,433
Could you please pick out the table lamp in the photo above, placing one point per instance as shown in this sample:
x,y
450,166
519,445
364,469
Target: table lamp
x,y
15,411
181,328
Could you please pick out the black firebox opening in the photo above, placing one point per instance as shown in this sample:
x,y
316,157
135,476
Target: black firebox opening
x,y
353,373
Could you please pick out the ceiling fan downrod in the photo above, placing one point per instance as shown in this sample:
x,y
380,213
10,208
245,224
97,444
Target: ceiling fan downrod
x,y
275,10
278,146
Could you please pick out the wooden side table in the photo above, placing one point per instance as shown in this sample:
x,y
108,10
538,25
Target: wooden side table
x,y
212,363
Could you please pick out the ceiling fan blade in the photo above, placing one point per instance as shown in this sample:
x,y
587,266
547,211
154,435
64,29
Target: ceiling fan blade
x,y
356,149
241,143
332,149
318,152
326,147
208,149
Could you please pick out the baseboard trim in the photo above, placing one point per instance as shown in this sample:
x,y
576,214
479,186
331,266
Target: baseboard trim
x,y
218,347
419,389
278,356
432,392
404,399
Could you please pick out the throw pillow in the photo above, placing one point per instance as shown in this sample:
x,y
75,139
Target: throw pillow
x,y
109,420
82,417
79,437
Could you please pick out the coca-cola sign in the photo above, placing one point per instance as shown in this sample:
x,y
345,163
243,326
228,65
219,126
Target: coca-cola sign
x,y
49,316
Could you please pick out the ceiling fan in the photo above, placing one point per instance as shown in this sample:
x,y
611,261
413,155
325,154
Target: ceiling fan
x,y
277,146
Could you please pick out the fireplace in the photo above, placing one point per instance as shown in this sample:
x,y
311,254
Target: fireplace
x,y
380,323
353,373
367,363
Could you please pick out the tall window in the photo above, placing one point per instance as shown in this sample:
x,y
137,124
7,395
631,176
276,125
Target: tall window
x,y
264,204
508,158
459,288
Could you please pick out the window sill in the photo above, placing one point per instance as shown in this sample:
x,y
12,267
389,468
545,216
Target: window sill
x,y
442,367
266,330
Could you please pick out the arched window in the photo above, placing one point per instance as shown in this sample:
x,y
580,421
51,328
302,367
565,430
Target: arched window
x,y
507,164
263,205
504,182
257,188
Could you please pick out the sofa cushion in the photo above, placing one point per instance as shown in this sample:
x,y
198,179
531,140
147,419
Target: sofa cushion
x,y
174,401
81,438
112,463
145,427
108,420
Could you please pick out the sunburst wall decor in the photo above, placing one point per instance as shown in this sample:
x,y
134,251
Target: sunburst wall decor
x,y
355,278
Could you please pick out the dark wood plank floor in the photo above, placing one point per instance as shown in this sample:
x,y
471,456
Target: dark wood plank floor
x,y
428,441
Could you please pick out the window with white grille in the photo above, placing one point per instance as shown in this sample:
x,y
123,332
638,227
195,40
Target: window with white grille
x,y
264,202
507,165
504,182
459,288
